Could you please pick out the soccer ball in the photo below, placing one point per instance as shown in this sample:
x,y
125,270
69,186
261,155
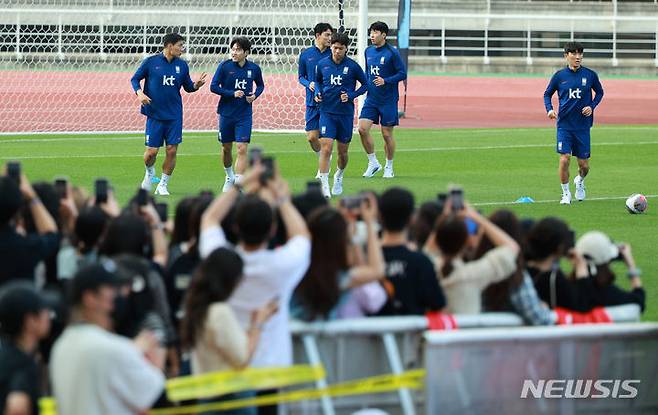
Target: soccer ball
x,y
636,203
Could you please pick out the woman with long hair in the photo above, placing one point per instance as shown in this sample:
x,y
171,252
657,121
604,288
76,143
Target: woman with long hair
x,y
327,290
210,329
463,282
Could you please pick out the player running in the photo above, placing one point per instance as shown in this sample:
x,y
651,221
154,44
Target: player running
x,y
163,75
336,78
574,85
308,59
234,82
384,69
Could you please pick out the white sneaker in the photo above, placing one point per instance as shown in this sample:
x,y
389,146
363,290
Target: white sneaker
x,y
162,190
146,184
317,175
388,173
372,169
228,183
337,188
580,189
325,189
566,199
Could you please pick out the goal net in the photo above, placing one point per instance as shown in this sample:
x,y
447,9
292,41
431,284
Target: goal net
x,y
67,64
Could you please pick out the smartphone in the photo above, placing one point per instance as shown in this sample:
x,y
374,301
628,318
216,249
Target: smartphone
x,y
101,186
14,171
457,198
268,163
255,154
142,197
571,240
61,187
313,187
161,208
351,202
441,200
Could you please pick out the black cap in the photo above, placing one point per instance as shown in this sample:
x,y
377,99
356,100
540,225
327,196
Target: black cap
x,y
17,300
92,277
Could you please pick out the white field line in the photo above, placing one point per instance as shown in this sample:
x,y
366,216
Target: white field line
x,y
589,199
402,150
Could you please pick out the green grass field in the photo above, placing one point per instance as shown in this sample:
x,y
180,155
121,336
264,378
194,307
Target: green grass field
x,y
495,166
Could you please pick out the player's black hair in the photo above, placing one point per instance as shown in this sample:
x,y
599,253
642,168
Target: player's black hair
x,y
379,27
172,39
573,47
243,42
341,38
321,28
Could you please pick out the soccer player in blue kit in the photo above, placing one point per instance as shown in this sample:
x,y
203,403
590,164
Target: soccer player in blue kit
x,y
384,69
335,79
234,82
164,74
308,59
574,85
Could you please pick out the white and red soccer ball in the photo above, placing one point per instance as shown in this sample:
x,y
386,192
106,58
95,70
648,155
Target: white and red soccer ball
x,y
636,203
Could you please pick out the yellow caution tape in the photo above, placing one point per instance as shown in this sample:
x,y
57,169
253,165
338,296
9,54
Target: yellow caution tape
x,y
412,379
222,383
377,384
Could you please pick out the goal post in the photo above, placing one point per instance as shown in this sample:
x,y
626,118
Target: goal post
x,y
68,63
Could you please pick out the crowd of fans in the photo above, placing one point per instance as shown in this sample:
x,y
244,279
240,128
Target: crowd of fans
x,y
100,304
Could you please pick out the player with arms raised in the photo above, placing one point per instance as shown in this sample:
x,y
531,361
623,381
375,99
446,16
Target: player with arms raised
x,y
574,85
384,69
234,82
336,78
164,74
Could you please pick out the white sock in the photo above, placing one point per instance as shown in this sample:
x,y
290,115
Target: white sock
x,y
389,164
565,187
339,173
150,171
165,179
238,178
324,178
579,179
229,172
372,158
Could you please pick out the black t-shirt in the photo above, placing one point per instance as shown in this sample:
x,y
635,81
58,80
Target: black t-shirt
x,y
18,373
571,294
416,288
177,281
20,254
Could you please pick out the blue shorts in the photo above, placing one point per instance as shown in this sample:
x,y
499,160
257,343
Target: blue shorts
x,y
386,114
573,142
234,129
337,127
312,119
159,132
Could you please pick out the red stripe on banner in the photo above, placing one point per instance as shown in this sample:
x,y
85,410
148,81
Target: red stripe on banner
x,y
568,317
440,321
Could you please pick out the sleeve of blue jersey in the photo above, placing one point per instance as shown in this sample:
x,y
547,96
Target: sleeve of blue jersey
x,y
260,85
361,77
140,74
188,83
216,85
301,71
400,70
598,90
550,90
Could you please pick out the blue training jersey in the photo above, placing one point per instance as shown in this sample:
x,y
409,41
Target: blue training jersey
x,y
163,80
574,90
333,78
386,62
230,77
308,60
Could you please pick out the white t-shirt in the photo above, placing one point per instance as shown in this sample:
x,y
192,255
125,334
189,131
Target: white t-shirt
x,y
268,274
94,371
